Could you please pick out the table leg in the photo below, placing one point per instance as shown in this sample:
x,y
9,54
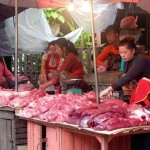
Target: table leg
x,y
104,140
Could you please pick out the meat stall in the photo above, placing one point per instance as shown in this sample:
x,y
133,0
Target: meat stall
x,y
76,121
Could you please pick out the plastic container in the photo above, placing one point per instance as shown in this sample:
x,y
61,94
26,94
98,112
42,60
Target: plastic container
x,y
75,91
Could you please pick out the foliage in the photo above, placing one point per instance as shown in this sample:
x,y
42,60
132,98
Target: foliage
x,y
54,15
84,39
83,42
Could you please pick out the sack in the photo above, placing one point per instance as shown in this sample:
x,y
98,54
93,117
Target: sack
x,y
129,88
113,62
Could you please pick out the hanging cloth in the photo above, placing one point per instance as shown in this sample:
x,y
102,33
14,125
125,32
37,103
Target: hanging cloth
x,y
142,92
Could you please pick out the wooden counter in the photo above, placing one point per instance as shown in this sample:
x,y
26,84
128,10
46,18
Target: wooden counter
x,y
63,136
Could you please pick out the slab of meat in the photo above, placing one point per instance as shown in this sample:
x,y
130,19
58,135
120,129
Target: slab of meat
x,y
23,100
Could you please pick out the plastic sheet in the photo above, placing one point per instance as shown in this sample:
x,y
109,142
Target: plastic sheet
x,y
105,12
34,33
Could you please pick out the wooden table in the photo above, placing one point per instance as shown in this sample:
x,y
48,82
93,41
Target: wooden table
x,y
13,131
63,136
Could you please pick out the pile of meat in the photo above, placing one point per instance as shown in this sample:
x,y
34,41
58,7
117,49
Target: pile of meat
x,y
19,99
80,110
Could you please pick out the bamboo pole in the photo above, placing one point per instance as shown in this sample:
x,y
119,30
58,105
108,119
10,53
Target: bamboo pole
x,y
16,45
94,51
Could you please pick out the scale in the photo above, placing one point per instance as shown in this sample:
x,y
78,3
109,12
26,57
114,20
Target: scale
x,y
73,86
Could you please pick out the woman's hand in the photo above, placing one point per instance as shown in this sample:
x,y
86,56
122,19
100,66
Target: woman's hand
x,y
101,68
107,92
43,86
42,78
103,93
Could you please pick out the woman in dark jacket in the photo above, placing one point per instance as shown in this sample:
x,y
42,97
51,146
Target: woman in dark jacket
x,y
137,68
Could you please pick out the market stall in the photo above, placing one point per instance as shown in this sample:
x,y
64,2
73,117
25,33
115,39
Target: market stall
x,y
72,121
73,132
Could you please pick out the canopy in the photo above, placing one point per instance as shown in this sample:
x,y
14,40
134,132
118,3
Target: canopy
x,y
104,10
7,11
52,3
105,13
37,3
34,32
144,4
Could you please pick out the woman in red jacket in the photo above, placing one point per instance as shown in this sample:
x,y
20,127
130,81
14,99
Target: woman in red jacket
x,y
50,64
71,67
5,74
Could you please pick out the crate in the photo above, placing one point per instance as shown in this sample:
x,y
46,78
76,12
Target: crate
x,y
13,131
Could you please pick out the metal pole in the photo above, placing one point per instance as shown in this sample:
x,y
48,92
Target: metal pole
x,y
94,51
16,45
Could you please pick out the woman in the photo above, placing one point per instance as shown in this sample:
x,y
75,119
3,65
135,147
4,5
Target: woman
x,y
136,68
50,64
71,67
5,75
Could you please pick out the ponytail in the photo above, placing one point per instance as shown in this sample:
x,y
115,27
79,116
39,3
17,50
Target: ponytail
x,y
62,42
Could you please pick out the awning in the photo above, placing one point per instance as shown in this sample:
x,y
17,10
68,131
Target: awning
x,y
51,3
7,11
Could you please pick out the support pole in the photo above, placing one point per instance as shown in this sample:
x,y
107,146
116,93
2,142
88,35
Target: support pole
x,y
94,51
16,45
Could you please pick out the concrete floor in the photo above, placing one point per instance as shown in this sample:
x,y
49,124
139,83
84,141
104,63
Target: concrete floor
x,y
21,147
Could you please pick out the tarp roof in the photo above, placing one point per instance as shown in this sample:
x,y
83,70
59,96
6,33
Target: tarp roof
x,y
102,17
37,3
8,11
52,3
7,6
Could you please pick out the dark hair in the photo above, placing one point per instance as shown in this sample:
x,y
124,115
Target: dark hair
x,y
51,43
129,41
62,42
114,27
